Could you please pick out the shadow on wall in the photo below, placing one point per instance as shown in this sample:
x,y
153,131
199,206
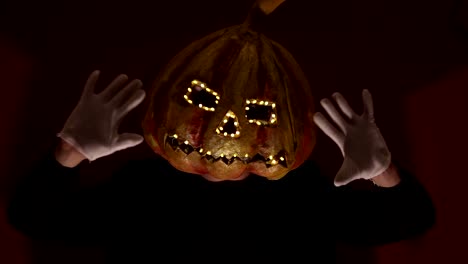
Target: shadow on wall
x,y
436,122
437,126
15,73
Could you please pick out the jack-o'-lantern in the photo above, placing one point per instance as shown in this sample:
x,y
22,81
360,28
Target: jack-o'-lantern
x,y
230,104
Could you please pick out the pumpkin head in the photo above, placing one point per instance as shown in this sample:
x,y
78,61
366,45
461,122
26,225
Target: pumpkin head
x,y
231,104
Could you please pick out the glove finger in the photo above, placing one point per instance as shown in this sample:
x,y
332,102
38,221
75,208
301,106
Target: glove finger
x,y
124,94
347,173
341,181
128,140
334,114
136,98
114,87
368,105
90,84
344,106
327,128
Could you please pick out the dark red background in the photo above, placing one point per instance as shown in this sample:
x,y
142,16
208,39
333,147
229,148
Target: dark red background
x,y
410,54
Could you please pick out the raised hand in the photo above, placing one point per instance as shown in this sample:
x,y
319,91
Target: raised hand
x,y
365,152
92,127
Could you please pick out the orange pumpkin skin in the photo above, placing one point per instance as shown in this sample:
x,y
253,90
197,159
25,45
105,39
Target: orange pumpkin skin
x,y
251,81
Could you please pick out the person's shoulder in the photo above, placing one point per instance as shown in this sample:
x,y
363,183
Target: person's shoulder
x,y
156,169
151,162
144,169
307,174
308,167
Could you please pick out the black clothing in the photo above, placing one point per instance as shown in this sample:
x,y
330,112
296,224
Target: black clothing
x,y
151,211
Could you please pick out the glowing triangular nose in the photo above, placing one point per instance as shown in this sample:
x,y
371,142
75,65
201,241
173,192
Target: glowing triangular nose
x,y
229,126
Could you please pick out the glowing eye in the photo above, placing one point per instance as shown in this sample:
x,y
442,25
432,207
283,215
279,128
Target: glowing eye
x,y
200,95
261,112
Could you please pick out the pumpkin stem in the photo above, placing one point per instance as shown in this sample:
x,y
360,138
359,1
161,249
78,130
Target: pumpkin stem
x,y
258,11
249,20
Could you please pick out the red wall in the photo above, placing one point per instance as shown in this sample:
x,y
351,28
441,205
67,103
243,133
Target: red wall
x,y
437,127
15,69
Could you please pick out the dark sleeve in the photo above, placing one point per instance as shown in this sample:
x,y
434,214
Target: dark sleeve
x,y
49,204
384,215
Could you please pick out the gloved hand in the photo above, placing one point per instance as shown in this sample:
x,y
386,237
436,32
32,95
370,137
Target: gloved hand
x,y
92,127
364,149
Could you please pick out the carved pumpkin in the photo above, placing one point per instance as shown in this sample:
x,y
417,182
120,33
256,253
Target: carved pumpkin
x,y
231,104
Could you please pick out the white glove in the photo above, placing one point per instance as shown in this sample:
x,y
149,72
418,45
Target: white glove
x,y
92,127
364,149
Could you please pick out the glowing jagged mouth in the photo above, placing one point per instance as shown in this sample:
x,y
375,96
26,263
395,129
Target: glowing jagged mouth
x,y
179,144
